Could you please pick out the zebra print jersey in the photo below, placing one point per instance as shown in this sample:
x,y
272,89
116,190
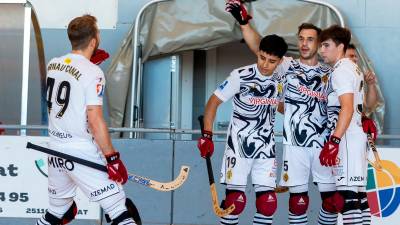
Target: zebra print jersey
x,y
346,78
305,103
255,99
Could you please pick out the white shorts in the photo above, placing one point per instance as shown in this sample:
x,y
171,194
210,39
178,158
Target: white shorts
x,y
65,176
297,163
235,170
352,167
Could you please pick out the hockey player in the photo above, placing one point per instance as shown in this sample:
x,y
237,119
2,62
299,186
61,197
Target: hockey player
x,y
305,120
75,88
250,148
367,123
345,150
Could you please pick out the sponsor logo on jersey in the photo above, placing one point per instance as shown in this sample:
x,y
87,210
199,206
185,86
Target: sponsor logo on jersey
x,y
340,178
59,134
60,163
222,86
263,101
357,178
316,94
52,191
383,189
102,190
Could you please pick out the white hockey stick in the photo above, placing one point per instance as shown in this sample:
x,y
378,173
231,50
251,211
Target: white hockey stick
x,y
159,186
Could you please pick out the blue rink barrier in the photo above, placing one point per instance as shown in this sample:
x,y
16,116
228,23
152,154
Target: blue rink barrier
x,y
191,204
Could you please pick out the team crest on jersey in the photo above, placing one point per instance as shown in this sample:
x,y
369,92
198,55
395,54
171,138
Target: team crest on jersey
x,y
285,177
280,88
100,88
325,78
222,86
67,61
229,174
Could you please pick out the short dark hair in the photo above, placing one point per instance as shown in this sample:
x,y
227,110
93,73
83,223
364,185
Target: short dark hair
x,y
81,30
273,45
351,46
306,26
338,34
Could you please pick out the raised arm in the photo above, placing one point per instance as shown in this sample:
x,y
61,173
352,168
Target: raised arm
x,y
239,12
371,94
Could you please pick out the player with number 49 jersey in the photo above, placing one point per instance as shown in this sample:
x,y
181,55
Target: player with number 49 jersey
x,y
73,82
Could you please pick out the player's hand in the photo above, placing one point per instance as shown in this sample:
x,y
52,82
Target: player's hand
x,y
369,127
238,11
116,169
370,77
329,152
99,56
205,144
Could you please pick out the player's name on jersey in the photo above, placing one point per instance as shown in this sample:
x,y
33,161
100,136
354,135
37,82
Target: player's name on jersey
x,y
319,95
65,68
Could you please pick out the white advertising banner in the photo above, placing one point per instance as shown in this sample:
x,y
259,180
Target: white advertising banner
x,y
57,14
383,188
23,186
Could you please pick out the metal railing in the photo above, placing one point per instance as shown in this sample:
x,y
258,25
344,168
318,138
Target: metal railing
x,y
162,130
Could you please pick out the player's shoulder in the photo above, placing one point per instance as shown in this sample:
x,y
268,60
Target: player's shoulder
x,y
345,66
245,71
324,67
89,70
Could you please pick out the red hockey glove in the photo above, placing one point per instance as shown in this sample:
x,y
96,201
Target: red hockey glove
x,y
2,130
99,56
238,11
329,152
369,127
116,169
205,144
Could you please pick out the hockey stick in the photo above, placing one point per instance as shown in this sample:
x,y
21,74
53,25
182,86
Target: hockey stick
x,y
214,196
377,164
159,186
